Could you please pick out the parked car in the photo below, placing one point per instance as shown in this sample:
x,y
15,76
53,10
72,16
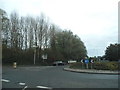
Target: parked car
x,y
58,63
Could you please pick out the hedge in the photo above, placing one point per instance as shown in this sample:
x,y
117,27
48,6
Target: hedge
x,y
113,65
106,65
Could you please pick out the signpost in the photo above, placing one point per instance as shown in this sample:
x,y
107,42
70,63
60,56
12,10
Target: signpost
x,y
86,62
44,56
91,63
82,62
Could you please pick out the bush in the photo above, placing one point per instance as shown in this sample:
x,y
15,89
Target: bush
x,y
113,65
106,65
80,65
100,66
76,65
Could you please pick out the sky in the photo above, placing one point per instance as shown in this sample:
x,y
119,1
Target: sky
x,y
94,21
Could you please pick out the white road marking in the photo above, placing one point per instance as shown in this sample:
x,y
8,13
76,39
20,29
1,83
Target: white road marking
x,y
24,87
4,80
21,83
43,87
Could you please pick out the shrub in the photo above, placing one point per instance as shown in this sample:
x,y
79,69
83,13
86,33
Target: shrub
x,y
106,65
113,65
100,66
79,65
76,65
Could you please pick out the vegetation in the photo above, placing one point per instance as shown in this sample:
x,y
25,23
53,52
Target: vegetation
x,y
106,65
77,65
112,52
26,38
113,65
110,61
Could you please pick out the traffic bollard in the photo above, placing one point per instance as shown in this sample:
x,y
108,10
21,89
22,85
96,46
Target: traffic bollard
x,y
14,65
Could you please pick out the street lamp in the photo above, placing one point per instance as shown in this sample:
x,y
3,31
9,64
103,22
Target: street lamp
x,y
44,56
34,53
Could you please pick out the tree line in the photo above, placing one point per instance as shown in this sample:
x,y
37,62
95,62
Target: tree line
x,y
112,52
24,36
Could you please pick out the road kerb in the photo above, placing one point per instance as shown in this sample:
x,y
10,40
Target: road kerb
x,y
92,71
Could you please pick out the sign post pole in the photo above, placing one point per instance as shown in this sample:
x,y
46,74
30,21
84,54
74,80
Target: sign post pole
x,y
44,56
82,63
87,65
91,63
86,62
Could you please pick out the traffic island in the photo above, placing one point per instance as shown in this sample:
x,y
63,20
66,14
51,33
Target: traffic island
x,y
92,71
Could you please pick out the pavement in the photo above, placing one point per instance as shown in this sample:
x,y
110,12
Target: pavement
x,y
92,71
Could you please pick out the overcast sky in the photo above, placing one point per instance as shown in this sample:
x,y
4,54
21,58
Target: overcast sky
x,y
94,21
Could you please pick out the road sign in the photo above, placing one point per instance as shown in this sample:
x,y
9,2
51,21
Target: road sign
x,y
86,61
44,56
92,61
82,61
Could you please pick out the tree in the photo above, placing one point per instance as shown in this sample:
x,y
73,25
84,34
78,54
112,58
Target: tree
x,y
112,52
4,27
14,25
67,46
20,34
53,52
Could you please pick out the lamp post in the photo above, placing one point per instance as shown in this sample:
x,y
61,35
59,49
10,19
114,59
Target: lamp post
x,y
34,53
44,56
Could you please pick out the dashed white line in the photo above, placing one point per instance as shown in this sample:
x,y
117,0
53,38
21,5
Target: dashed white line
x,y
4,80
21,83
43,87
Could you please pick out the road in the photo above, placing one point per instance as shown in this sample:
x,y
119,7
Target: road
x,y
54,77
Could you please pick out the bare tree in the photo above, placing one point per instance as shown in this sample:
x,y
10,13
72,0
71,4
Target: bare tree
x,y
21,32
30,32
14,29
4,27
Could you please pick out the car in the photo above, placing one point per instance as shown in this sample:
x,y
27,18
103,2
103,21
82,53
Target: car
x,y
58,63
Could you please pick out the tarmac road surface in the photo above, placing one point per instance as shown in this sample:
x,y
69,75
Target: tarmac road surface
x,y
54,77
